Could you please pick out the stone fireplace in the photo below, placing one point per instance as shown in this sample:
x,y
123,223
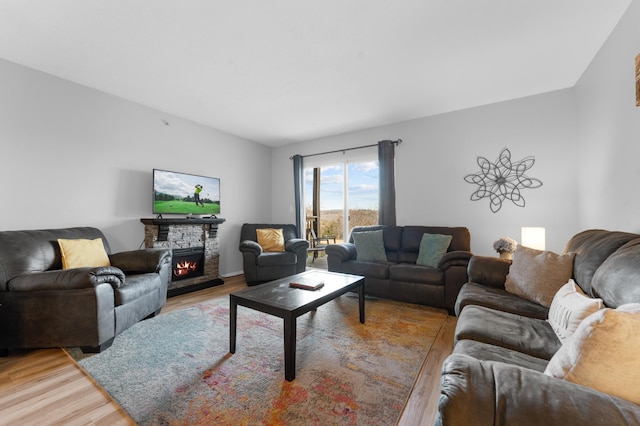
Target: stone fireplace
x,y
195,247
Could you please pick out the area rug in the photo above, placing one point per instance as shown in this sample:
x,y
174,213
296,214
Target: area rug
x,y
176,369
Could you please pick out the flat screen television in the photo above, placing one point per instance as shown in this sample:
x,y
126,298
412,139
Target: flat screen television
x,y
185,194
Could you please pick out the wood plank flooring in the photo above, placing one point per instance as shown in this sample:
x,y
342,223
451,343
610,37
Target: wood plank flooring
x,y
47,387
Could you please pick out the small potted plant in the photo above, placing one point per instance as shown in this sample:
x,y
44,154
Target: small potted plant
x,y
505,247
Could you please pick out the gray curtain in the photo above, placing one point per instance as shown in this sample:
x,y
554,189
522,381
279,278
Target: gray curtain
x,y
386,160
298,182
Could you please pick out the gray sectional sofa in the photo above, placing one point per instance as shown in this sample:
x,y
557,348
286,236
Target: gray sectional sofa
x,y
504,344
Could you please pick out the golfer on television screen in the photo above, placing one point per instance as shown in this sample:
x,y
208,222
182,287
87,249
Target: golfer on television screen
x,y
196,195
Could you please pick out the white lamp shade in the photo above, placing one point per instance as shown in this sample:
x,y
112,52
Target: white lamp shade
x,y
533,237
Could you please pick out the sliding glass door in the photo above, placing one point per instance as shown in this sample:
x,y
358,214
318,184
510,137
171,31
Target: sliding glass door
x,y
339,196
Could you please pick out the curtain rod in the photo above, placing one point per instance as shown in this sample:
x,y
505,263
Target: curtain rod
x,y
397,142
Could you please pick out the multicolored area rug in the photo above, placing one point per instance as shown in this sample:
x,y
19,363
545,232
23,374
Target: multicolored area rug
x,y
176,369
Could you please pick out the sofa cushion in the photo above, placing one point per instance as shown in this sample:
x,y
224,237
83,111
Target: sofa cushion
x,y
409,273
617,280
17,248
411,238
276,259
603,353
538,275
366,269
370,246
248,230
270,239
498,299
487,352
137,286
569,307
83,253
531,336
432,248
475,392
392,237
592,247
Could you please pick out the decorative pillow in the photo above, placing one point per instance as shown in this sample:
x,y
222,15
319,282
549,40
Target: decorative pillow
x,y
83,253
537,275
432,248
270,239
603,353
569,307
370,246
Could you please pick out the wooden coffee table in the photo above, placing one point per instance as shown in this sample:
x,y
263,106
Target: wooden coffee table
x,y
279,299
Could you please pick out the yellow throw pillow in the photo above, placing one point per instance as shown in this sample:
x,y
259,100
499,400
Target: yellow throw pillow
x,y
83,253
270,239
603,353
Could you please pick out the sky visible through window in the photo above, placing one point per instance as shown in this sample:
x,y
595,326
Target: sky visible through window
x,y
363,186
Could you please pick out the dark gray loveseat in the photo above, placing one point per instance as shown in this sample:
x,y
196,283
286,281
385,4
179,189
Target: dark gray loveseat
x,y
399,278
42,305
503,343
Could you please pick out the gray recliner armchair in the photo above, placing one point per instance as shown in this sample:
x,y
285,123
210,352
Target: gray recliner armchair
x,y
43,305
261,266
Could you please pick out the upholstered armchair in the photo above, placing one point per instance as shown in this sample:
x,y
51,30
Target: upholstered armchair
x,y
281,253
46,301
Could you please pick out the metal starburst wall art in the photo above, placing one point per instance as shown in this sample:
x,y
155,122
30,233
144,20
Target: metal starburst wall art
x,y
502,180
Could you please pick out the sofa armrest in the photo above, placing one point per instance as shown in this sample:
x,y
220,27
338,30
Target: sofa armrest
x,y
343,251
68,279
489,271
455,258
489,393
296,244
141,261
248,246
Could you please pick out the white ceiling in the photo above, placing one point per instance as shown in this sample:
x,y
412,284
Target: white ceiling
x,y
283,71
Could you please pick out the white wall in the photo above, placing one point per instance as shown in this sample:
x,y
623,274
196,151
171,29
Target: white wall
x,y
439,151
608,124
73,156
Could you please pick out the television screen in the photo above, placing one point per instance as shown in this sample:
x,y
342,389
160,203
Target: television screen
x,y
183,193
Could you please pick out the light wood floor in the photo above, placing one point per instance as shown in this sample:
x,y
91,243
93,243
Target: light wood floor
x,y
46,387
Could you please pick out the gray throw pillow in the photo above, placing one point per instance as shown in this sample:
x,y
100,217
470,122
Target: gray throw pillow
x,y
432,248
370,246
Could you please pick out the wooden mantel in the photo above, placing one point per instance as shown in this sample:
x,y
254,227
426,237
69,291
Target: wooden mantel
x,y
165,224
183,221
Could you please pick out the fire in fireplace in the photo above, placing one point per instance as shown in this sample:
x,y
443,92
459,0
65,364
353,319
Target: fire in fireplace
x,y
187,263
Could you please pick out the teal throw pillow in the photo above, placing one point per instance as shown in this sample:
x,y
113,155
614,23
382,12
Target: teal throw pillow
x,y
432,248
370,246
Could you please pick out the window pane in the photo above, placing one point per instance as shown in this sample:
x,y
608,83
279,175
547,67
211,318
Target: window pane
x,y
363,194
360,202
332,201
